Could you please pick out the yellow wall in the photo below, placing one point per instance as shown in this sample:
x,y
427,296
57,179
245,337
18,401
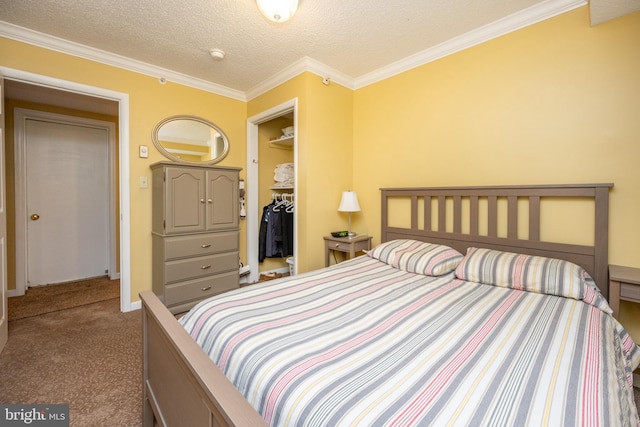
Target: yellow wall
x,y
556,102
149,102
325,158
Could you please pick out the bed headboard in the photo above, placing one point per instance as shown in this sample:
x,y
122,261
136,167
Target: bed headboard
x,y
593,258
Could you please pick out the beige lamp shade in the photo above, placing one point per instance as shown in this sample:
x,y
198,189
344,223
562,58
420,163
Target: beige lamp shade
x,y
349,203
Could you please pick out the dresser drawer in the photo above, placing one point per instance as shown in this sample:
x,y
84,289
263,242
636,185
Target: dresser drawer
x,y
191,268
198,289
199,244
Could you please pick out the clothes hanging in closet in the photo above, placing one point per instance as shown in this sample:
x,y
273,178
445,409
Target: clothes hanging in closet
x,y
276,232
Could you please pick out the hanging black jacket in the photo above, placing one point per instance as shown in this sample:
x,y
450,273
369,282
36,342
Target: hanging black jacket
x,y
276,233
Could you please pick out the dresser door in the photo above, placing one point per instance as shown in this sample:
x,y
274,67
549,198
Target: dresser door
x,y
222,200
185,203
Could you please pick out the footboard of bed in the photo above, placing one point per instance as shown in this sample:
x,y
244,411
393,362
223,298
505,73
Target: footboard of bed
x,y
181,385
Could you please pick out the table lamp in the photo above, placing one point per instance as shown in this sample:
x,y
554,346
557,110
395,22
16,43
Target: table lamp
x,y
349,203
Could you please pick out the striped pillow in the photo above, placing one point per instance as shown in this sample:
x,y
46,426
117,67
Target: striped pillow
x,y
417,257
530,273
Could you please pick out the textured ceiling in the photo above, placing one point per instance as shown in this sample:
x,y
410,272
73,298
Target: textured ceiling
x,y
605,10
354,38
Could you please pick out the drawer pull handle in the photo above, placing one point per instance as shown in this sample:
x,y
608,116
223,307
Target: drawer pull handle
x,y
210,200
205,246
202,201
204,267
206,289
337,245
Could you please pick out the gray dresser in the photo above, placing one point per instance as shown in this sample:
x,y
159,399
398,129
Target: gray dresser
x,y
195,226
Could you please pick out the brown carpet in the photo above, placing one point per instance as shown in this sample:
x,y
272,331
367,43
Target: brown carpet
x,y
88,357
47,299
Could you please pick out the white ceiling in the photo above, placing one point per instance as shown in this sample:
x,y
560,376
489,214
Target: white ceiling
x,y
353,42
605,10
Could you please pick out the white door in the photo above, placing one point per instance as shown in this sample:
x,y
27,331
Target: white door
x,y
67,181
4,332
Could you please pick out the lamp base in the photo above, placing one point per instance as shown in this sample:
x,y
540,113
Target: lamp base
x,y
350,234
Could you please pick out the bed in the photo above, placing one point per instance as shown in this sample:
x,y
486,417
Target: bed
x,y
452,319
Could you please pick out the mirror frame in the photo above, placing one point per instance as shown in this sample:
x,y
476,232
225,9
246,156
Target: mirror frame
x,y
164,152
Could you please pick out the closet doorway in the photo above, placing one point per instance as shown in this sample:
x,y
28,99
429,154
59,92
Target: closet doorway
x,y
265,132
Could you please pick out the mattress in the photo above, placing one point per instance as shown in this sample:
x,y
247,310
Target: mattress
x,y
369,342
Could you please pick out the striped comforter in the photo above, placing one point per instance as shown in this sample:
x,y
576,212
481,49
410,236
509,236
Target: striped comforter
x,y
362,343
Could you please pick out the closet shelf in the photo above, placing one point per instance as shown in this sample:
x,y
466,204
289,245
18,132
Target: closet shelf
x,y
274,187
285,142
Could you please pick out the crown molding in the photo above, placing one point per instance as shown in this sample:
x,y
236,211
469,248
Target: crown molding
x,y
57,44
516,21
511,23
303,65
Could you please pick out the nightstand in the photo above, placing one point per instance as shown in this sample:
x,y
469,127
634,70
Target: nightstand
x,y
346,245
624,283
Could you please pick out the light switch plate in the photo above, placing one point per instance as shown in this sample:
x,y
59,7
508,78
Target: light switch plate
x,y
144,151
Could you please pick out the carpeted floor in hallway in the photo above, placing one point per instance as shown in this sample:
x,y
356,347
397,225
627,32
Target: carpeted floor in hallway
x,y
47,299
87,356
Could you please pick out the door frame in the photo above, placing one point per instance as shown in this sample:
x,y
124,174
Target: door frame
x,y
124,163
253,210
4,315
21,115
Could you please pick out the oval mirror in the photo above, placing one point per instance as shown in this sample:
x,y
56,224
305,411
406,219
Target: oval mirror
x,y
190,139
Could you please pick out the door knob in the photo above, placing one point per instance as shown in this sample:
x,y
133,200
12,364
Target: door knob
x,y
35,217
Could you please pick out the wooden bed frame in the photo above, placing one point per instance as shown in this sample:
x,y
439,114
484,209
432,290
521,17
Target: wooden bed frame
x,y
182,386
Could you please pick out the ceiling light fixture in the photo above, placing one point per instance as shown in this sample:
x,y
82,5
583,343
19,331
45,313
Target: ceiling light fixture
x,y
278,10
